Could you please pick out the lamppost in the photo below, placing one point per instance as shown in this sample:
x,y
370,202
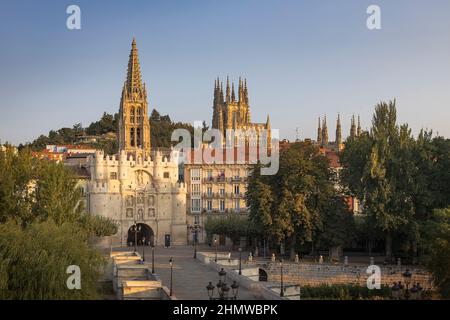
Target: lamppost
x,y
395,291
264,241
136,228
215,244
222,288
282,285
171,268
143,249
240,261
407,275
195,229
153,258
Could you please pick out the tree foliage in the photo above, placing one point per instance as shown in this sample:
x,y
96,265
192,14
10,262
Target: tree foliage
x,y
233,227
34,261
292,204
398,179
436,244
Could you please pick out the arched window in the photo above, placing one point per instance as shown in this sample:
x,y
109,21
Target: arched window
x,y
139,113
138,137
132,115
132,137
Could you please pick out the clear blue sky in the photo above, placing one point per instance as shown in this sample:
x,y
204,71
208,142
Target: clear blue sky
x,y
302,59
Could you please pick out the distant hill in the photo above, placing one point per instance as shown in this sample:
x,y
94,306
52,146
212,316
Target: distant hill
x,y
101,134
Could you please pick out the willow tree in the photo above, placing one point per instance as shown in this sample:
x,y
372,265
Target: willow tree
x,y
34,261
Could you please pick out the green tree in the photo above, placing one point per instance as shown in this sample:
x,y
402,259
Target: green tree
x,y
34,260
379,171
289,205
436,245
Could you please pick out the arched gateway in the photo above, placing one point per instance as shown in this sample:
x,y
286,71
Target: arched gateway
x,y
140,232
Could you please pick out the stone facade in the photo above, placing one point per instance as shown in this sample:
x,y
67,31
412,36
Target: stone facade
x,y
214,190
138,188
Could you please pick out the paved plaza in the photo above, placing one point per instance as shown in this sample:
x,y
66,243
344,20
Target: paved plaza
x,y
190,276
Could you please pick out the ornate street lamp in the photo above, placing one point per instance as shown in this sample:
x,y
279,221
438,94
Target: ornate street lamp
x,y
282,285
153,259
143,249
395,291
210,287
419,291
222,288
407,275
235,288
195,241
225,288
215,243
240,261
222,275
414,292
171,273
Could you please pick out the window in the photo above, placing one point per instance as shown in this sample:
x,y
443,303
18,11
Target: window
x,y
195,205
209,205
222,192
138,115
132,137
197,219
236,189
132,115
113,176
237,174
195,174
195,189
209,191
151,201
222,174
222,205
138,137
166,175
209,174
237,205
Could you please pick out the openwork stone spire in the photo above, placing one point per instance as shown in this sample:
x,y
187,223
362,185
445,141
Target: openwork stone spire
x,y
134,82
134,127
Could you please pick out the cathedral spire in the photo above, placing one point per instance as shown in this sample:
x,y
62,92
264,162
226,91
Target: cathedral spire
x,y
134,82
319,133
338,131
233,96
324,131
228,95
353,128
240,90
358,132
245,92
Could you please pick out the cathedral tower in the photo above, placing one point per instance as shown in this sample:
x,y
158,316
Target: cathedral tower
x,y
134,126
319,133
324,132
353,128
358,130
338,131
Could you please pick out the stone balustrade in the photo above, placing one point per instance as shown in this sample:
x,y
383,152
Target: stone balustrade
x,y
315,274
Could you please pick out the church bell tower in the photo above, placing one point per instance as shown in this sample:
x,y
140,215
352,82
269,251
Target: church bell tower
x,y
134,126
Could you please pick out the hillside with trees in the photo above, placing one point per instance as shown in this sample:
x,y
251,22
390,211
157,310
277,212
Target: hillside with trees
x,y
161,128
